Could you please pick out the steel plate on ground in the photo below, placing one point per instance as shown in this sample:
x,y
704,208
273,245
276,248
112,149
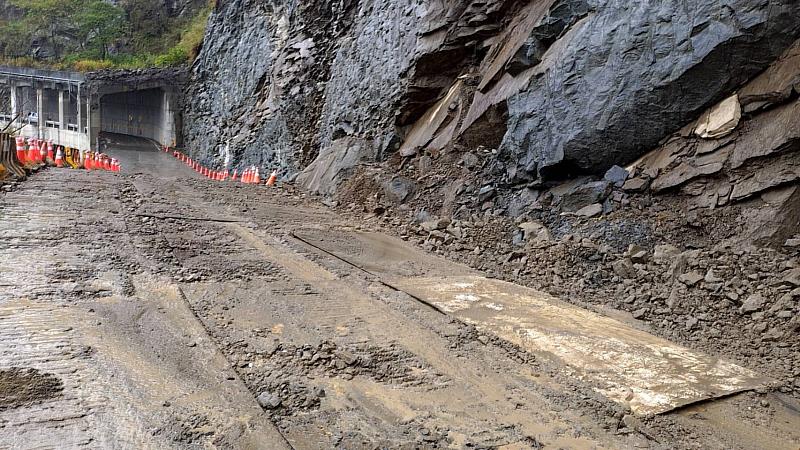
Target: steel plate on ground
x,y
630,366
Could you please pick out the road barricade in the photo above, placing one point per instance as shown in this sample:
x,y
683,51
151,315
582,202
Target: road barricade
x,y
9,156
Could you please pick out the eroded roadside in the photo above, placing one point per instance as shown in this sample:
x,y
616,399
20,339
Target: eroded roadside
x,y
199,314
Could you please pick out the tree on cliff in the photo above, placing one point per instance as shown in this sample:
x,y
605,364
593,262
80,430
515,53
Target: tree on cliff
x,y
44,19
98,24
15,40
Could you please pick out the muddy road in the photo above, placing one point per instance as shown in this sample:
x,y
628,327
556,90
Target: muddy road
x,y
155,309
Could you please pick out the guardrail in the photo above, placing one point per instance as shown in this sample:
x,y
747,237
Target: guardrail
x,y
54,75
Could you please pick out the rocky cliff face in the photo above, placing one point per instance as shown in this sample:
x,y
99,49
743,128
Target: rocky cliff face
x,y
558,87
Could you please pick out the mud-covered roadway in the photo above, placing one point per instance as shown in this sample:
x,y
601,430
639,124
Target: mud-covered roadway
x,y
156,309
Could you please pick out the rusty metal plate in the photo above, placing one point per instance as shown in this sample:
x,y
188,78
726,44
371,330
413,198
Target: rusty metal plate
x,y
649,374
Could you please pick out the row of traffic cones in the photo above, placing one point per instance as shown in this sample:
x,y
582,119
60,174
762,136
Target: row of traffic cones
x,y
250,175
36,152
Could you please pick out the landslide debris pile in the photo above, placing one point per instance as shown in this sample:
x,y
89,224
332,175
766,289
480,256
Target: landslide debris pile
x,y
642,157
700,237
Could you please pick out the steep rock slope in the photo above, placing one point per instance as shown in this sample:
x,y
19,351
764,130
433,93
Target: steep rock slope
x,y
259,79
560,87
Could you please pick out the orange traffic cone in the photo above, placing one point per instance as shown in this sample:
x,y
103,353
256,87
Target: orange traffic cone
x,y
59,157
272,178
21,156
33,152
51,159
235,174
257,177
43,152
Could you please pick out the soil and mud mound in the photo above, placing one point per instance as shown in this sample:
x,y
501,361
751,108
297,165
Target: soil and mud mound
x,y
23,387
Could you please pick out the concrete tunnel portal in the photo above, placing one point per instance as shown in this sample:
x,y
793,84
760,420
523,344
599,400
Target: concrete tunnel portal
x,y
72,109
143,113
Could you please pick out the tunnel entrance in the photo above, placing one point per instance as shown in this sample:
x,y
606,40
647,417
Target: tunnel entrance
x,y
144,113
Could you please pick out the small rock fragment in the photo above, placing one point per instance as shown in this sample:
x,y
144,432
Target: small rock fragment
x,y
435,225
592,210
752,304
535,231
792,277
616,175
268,400
635,185
624,268
485,193
690,279
664,253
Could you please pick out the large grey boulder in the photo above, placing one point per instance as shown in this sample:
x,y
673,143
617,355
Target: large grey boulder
x,y
629,73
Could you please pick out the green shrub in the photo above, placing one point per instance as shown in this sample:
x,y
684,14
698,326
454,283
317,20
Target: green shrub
x,y
96,25
91,65
174,57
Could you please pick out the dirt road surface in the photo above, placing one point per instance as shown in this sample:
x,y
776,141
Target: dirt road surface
x,y
156,309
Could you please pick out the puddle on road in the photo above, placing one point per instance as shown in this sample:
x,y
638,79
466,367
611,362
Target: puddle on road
x,y
629,366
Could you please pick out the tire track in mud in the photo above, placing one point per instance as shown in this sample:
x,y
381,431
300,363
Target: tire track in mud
x,y
36,329
81,368
343,314
369,321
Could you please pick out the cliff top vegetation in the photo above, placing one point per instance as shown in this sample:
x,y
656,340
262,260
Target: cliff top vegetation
x,y
88,35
